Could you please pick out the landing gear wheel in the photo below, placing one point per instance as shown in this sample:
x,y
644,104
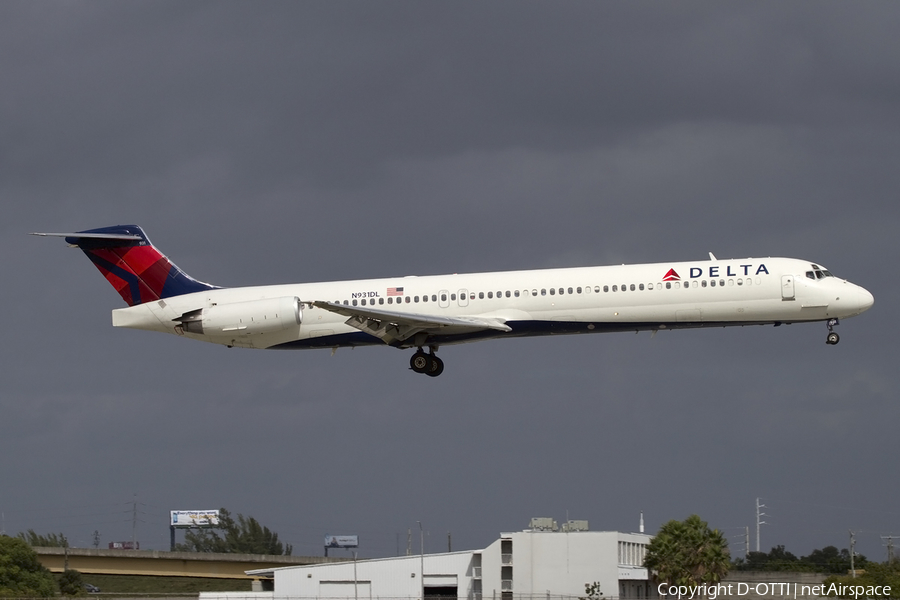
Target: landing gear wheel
x,y
832,338
420,362
436,367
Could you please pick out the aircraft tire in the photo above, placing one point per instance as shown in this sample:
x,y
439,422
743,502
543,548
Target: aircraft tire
x,y
832,338
436,367
420,362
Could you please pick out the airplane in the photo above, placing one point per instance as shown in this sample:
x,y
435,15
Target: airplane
x,y
437,310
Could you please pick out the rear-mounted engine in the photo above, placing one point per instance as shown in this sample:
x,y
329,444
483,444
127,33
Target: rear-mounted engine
x,y
255,317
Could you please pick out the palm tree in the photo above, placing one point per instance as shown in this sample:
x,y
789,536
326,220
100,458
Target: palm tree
x,y
688,553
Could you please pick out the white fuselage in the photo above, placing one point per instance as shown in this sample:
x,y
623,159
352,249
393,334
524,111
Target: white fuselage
x,y
536,302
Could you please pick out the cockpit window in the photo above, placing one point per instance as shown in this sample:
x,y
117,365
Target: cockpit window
x,y
818,273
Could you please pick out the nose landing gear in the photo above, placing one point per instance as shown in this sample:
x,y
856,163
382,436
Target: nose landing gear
x,y
832,338
428,364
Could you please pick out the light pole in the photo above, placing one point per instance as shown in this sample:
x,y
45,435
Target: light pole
x,y
422,558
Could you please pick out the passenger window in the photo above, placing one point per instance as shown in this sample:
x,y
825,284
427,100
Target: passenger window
x,y
407,299
605,288
632,287
712,283
561,291
390,300
615,288
721,283
424,298
570,290
354,303
624,287
346,303
552,291
740,282
516,293
578,290
434,297
686,285
543,292
443,297
703,283
481,295
534,292
641,287
453,297
490,294
649,286
597,288
416,299
668,285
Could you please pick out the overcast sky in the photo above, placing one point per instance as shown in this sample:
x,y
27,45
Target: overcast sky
x,y
277,142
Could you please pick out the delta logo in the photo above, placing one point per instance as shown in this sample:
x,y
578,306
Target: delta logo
x,y
715,271
672,276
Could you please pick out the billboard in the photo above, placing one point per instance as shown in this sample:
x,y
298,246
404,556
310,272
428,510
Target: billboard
x,y
341,541
124,545
194,518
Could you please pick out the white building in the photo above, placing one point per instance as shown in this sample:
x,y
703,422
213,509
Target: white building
x,y
531,564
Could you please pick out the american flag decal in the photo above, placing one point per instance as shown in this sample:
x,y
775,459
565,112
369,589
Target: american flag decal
x,y
395,291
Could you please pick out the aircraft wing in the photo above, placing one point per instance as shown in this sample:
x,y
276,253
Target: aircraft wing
x,y
393,327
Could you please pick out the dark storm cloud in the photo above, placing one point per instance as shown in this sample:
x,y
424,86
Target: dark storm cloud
x,y
278,142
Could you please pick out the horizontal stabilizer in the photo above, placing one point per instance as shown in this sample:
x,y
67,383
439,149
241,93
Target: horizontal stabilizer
x,y
94,236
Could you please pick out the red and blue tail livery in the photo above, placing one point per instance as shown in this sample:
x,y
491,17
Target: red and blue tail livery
x,y
426,313
138,271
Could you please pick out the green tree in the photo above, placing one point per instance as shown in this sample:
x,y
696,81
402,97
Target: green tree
x,y
71,583
831,560
886,574
50,540
21,574
243,535
777,559
688,553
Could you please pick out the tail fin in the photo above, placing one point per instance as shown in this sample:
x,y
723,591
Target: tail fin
x,y
138,271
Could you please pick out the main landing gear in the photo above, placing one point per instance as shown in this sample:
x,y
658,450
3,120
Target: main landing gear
x,y
428,363
832,338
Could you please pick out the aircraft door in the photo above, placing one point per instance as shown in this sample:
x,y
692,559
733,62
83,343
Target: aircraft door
x,y
444,298
463,297
787,287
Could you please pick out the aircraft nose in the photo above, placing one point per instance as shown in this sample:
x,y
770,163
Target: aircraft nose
x,y
866,299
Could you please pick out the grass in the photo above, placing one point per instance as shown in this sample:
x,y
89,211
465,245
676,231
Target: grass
x,y
148,584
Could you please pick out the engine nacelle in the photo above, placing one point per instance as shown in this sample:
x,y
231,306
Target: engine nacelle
x,y
241,319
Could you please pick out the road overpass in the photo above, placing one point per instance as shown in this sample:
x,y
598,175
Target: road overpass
x,y
167,564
